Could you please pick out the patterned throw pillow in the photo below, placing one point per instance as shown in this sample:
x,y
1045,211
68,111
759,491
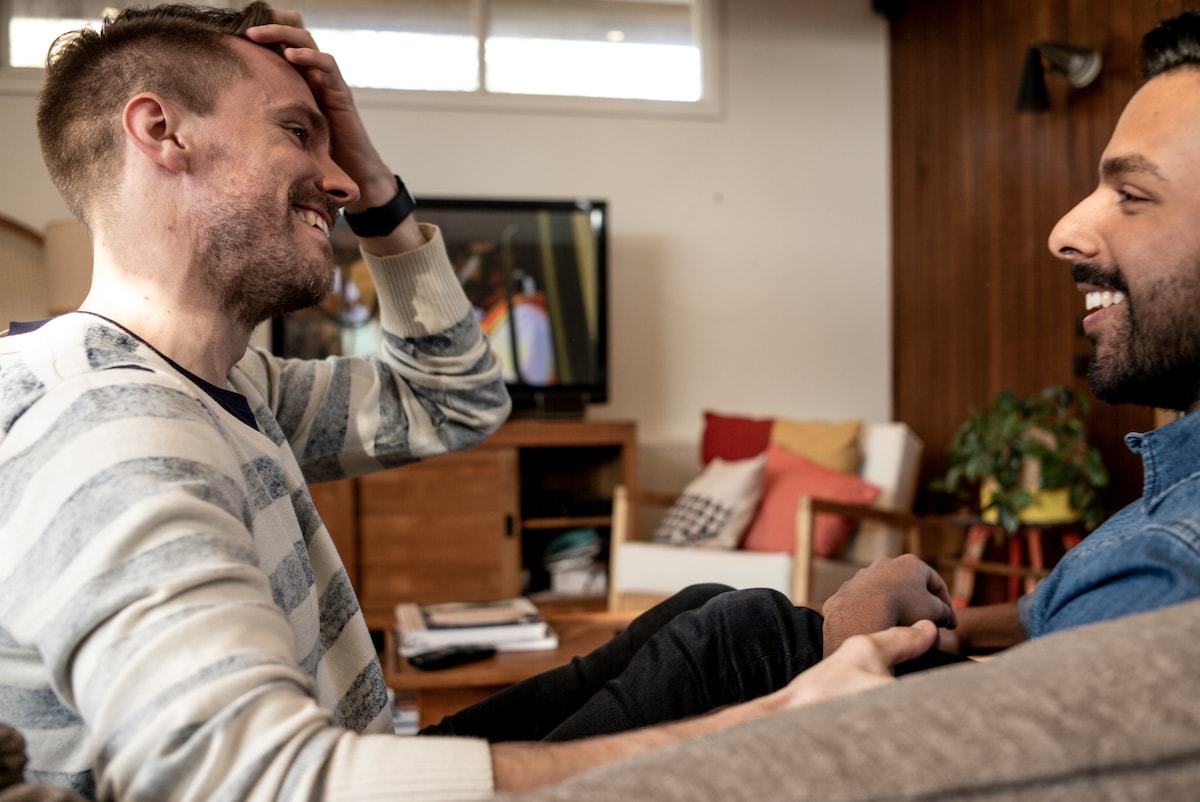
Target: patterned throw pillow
x,y
716,507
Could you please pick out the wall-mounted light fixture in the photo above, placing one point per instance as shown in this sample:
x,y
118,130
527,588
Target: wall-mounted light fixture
x,y
1081,65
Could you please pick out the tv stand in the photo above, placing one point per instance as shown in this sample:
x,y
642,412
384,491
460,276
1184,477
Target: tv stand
x,y
473,525
554,407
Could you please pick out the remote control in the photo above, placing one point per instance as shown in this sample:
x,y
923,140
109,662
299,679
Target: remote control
x,y
450,656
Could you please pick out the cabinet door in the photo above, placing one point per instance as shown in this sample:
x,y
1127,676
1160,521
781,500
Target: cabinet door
x,y
442,530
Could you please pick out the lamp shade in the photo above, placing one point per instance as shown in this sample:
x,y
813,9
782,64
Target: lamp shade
x,y
1081,65
68,252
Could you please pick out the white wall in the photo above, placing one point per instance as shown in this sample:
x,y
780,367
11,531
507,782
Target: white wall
x,y
750,254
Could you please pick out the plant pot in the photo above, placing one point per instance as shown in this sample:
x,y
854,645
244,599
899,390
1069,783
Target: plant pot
x,y
1049,506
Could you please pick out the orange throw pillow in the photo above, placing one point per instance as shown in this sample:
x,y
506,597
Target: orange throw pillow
x,y
790,476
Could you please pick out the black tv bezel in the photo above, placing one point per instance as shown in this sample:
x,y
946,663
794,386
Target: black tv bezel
x,y
558,400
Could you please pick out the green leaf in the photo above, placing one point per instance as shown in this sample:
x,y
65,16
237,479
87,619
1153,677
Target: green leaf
x,y
1047,426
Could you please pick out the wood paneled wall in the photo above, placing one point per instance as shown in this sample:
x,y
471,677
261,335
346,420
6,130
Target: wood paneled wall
x,y
979,302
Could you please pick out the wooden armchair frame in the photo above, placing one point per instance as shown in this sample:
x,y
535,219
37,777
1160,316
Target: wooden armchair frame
x,y
914,527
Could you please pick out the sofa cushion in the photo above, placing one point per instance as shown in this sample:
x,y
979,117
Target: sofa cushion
x,y
789,476
834,445
715,508
733,437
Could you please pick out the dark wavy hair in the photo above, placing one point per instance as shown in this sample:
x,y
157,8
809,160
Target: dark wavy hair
x,y
180,52
1172,43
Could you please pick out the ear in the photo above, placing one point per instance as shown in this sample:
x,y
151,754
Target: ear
x,y
153,125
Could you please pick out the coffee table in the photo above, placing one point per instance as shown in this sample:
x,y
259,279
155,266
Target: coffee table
x,y
440,693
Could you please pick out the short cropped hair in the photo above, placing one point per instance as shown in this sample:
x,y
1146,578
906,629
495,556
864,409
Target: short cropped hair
x,y
1172,43
180,52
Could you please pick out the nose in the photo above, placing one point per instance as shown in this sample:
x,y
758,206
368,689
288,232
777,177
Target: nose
x,y
337,184
1075,237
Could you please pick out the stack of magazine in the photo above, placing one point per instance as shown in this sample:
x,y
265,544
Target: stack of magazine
x,y
508,625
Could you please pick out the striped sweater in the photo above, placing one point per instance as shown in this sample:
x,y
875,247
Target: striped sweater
x,y
175,623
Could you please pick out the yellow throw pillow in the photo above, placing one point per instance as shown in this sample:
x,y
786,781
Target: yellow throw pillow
x,y
832,445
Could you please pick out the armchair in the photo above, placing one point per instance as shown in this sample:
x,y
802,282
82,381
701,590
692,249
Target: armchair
x,y
643,572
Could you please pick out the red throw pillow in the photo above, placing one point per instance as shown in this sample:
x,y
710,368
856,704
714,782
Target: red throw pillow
x,y
734,438
790,476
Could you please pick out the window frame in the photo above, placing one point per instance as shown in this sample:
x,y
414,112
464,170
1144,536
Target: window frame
x,y
18,81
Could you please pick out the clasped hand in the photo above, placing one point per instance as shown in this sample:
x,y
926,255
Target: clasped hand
x,y
892,591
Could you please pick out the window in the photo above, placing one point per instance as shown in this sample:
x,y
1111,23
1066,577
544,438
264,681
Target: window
x,y
603,54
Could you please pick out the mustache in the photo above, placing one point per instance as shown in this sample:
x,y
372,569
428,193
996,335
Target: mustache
x,y
1105,279
309,197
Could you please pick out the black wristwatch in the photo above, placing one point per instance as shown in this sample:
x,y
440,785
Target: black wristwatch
x,y
380,221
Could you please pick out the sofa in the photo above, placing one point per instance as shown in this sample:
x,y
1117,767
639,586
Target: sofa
x,y
1103,712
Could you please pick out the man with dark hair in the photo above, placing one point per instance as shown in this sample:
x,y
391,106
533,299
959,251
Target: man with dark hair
x,y
1134,250
1104,706
175,622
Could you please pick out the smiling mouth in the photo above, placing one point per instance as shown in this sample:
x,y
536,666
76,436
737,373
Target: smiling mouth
x,y
315,220
1102,299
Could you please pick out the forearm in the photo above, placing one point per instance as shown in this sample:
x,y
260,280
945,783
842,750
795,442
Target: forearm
x,y
863,663
988,628
520,766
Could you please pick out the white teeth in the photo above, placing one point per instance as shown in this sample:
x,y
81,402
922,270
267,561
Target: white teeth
x,y
315,220
1101,300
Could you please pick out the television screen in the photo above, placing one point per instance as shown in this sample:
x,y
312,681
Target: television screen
x,y
535,272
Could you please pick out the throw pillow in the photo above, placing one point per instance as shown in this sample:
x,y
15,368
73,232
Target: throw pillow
x,y
733,437
833,445
715,508
790,476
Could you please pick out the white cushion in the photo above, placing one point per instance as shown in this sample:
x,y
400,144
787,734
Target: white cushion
x,y
716,507
655,568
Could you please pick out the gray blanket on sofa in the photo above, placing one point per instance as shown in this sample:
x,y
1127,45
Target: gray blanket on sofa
x,y
1109,711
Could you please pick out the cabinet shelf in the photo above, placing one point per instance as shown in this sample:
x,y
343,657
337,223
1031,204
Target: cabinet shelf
x,y
453,528
568,522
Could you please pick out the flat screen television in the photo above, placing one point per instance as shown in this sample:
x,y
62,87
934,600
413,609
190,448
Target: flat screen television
x,y
536,274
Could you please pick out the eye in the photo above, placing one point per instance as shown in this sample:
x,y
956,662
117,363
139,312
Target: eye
x,y
298,132
1125,196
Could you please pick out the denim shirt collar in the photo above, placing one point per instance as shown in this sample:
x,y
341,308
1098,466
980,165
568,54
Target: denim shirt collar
x,y
1170,455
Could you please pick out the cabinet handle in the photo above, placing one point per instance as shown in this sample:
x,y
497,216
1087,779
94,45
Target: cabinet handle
x,y
508,525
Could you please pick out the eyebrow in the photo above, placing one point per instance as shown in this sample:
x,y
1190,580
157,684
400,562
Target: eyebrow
x,y
308,115
1133,163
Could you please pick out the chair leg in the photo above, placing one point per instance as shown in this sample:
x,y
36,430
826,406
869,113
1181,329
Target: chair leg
x,y
964,574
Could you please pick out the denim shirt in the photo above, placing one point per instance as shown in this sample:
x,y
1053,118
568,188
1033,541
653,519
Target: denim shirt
x,y
1145,557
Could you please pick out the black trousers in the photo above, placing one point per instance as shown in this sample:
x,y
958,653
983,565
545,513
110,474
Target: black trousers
x,y
705,647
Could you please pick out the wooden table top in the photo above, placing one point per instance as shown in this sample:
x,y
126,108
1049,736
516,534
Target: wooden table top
x,y
578,633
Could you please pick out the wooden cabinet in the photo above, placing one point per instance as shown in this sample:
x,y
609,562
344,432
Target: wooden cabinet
x,y
443,531
474,525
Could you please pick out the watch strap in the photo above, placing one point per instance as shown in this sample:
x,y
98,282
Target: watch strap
x,y
379,221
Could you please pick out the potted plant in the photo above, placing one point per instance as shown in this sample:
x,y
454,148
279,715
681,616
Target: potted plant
x,y
1029,460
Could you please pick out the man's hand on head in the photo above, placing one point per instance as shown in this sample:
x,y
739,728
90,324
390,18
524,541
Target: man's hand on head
x,y
351,146
895,591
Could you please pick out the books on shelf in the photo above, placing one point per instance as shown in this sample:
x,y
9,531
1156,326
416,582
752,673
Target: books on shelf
x,y
509,625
